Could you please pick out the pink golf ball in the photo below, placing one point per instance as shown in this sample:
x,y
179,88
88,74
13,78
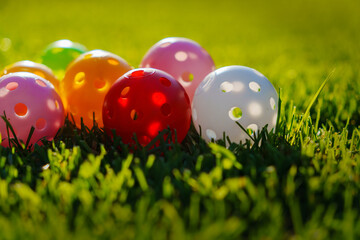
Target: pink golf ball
x,y
29,101
182,58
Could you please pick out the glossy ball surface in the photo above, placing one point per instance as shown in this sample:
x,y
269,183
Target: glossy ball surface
x,y
59,54
182,58
33,67
234,94
29,100
145,101
86,82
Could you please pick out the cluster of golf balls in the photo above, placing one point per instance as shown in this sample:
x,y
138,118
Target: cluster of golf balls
x,y
176,83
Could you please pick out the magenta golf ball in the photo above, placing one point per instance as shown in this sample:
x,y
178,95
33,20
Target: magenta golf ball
x,y
182,58
28,101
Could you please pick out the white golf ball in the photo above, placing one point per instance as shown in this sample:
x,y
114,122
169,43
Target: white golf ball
x,y
234,94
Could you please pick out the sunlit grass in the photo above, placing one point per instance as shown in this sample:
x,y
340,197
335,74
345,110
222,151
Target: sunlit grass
x,y
301,181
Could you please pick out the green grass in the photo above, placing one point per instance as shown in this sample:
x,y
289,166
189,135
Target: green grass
x,y
301,182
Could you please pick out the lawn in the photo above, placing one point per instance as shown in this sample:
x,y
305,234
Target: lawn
x,y
301,182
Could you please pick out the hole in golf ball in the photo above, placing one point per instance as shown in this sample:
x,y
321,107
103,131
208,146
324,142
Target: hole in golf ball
x,y
226,87
135,115
254,86
187,77
11,86
235,113
272,103
210,134
123,101
51,104
3,92
252,129
165,109
193,56
158,98
100,83
20,109
181,56
112,61
154,128
255,109
57,125
164,45
57,104
125,91
80,78
40,83
40,124
138,73
166,82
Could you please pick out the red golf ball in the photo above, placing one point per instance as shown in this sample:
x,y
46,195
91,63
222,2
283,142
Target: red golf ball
x,y
145,101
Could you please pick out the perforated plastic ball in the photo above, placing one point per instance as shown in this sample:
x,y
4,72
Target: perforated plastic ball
x,y
29,100
145,101
33,67
182,58
59,54
86,82
234,94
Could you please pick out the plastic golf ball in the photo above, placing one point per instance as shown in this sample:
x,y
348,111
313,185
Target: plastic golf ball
x,y
234,94
33,67
59,54
29,101
86,82
182,58
145,101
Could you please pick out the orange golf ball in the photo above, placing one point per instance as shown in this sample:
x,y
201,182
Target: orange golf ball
x,y
32,67
87,80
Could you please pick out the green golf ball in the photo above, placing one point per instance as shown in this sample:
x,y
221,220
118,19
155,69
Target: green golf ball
x,y
59,54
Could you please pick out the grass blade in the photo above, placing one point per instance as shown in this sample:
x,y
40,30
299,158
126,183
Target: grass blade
x,y
307,112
